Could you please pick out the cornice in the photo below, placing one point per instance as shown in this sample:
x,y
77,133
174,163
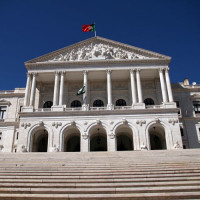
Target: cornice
x,y
103,112
106,41
3,123
98,62
3,95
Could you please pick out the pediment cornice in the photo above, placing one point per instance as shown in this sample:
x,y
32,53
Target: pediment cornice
x,y
98,50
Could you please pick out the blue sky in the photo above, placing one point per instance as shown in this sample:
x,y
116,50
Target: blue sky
x,y
31,28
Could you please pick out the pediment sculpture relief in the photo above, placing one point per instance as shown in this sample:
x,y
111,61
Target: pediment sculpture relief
x,y
96,52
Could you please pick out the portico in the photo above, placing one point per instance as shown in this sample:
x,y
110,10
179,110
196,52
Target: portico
x,y
125,90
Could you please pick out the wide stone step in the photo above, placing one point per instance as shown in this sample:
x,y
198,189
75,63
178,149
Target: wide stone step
x,y
98,173
98,185
100,190
132,196
128,180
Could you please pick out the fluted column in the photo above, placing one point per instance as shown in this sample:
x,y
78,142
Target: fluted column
x,y
139,86
27,91
169,89
133,87
85,83
163,88
56,84
109,89
62,81
33,88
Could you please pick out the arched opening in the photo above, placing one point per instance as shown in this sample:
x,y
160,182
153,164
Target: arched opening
x,y
124,138
98,103
72,140
149,101
48,104
120,102
40,141
75,104
98,139
157,138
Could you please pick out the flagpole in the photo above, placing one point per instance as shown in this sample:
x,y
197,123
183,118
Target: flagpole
x,y
95,34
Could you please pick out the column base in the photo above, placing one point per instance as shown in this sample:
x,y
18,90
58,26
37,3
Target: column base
x,y
27,109
57,108
138,106
110,107
85,107
169,105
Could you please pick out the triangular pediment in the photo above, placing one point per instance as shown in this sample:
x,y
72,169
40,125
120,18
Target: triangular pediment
x,y
4,102
97,49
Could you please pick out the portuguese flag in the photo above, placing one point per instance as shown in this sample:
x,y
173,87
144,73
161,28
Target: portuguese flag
x,y
89,28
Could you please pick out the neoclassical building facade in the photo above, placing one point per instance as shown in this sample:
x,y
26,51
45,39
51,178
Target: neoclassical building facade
x,y
128,102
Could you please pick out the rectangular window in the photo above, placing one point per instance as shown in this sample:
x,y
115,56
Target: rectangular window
x,y
196,106
2,112
178,106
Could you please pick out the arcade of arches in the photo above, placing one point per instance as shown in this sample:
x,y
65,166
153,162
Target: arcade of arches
x,y
71,139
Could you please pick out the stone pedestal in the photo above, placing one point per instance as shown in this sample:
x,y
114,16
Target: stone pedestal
x,y
110,107
85,107
138,106
27,109
57,108
169,105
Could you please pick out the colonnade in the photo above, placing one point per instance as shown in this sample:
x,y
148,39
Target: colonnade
x,y
136,88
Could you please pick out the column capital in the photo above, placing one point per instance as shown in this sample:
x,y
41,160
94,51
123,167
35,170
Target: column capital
x,y
57,72
85,71
161,69
132,70
166,69
62,72
34,73
109,71
28,74
138,69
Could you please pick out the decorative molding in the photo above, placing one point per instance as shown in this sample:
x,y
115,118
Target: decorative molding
x,y
41,123
124,121
156,120
25,125
97,51
23,148
56,124
73,123
98,122
85,136
54,149
177,146
111,135
141,122
173,121
143,147
4,102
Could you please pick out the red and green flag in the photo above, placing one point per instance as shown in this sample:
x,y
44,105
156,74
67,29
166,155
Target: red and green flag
x,y
88,28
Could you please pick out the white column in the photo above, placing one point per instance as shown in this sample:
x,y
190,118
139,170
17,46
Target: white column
x,y
62,81
169,89
109,89
85,83
56,84
32,98
133,86
139,86
163,88
27,91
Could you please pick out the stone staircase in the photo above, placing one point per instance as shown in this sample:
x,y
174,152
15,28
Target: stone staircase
x,y
101,175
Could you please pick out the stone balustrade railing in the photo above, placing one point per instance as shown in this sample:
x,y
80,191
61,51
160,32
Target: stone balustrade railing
x,y
100,108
